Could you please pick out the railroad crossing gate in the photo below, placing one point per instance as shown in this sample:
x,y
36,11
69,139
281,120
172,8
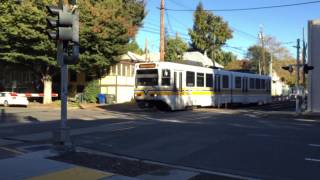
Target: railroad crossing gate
x,y
314,60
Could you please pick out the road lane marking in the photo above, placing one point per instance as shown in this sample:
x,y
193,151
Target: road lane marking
x,y
312,159
315,145
306,120
123,129
79,173
11,150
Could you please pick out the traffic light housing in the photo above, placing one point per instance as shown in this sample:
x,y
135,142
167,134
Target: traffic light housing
x,y
307,68
65,29
288,68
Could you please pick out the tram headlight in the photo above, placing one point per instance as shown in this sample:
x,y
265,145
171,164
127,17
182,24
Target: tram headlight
x,y
154,95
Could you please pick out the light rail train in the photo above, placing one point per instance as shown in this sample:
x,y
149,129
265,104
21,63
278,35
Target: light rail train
x,y
179,86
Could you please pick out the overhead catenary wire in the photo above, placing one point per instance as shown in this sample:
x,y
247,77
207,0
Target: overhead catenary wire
x,y
250,8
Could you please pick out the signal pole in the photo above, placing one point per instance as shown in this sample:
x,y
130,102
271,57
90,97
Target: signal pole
x,y
162,30
65,34
298,110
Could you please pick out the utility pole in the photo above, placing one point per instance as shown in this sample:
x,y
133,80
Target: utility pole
x,y
298,110
270,66
162,30
262,59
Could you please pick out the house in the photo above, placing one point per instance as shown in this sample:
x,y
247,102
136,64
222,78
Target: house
x,y
278,87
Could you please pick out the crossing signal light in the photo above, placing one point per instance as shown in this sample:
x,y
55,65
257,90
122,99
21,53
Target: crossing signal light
x,y
63,25
307,68
60,28
288,68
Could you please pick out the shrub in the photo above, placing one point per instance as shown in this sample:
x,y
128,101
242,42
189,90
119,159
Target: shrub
x,y
91,91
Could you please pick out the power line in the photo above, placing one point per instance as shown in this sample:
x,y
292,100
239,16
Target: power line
x,y
250,8
178,4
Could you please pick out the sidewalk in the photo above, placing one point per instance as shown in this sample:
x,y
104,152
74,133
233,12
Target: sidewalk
x,y
40,166
36,166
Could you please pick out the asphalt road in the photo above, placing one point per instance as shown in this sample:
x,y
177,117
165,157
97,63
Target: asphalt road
x,y
248,142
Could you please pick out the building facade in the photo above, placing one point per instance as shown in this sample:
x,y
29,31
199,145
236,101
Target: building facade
x,y
314,60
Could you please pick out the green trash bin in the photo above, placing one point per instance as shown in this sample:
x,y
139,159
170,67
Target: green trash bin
x,y
110,98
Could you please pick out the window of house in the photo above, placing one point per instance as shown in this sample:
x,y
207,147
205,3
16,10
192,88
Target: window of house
x,y
238,82
190,79
119,69
114,70
89,77
251,83
200,79
124,68
209,80
73,76
165,81
225,81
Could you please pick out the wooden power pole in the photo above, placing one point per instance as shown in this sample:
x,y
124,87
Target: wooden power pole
x,y
262,62
162,30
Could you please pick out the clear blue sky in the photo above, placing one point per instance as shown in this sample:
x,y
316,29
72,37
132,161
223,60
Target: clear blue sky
x,y
283,23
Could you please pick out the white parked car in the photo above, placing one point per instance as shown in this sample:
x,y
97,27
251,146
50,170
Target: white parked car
x,y
11,98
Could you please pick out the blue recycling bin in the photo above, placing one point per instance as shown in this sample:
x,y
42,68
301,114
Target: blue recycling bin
x,y
102,98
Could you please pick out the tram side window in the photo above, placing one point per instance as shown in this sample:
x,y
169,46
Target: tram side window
x,y
190,79
238,82
252,83
258,83
209,80
165,81
200,79
225,82
263,83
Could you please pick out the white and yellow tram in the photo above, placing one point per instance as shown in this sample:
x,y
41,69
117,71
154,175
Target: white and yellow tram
x,y
179,86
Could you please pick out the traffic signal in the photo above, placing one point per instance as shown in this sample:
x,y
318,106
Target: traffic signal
x,y
61,28
74,57
65,28
307,68
288,68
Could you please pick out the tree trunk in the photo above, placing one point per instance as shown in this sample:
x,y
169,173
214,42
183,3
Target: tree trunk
x,y
47,89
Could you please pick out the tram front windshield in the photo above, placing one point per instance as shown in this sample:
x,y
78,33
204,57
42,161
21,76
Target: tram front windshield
x,y
147,77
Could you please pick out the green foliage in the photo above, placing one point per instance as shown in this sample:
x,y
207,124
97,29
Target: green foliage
x,y
134,47
281,57
209,33
227,58
91,91
106,28
23,37
254,54
175,48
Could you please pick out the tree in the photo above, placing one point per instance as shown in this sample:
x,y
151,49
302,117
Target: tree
x,y
227,58
239,65
106,27
24,41
254,54
209,33
175,48
134,47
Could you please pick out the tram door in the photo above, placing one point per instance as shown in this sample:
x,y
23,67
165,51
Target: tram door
x,y
177,84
